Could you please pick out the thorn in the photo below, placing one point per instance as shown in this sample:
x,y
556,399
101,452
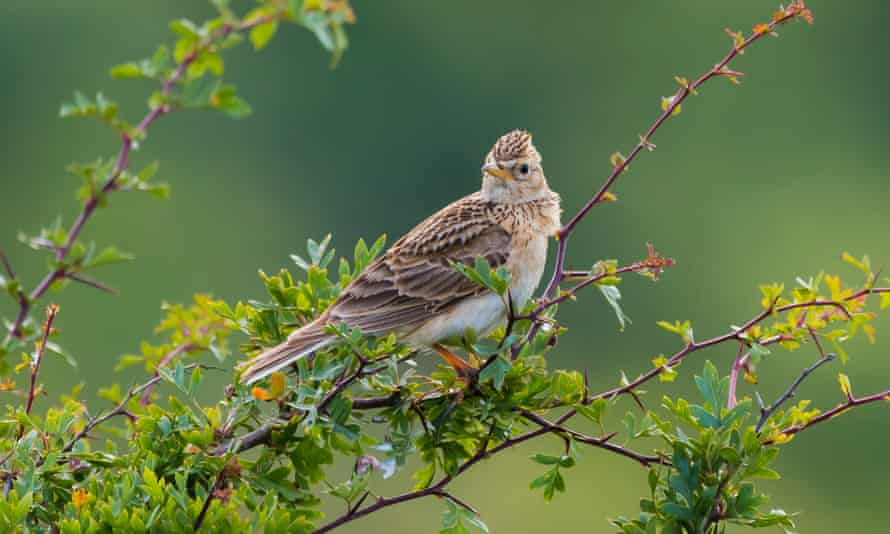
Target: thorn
x,y
92,282
726,71
607,437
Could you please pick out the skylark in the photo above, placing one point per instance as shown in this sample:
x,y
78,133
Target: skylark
x,y
412,290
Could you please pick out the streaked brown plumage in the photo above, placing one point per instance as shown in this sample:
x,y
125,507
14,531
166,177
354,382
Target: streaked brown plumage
x,y
413,291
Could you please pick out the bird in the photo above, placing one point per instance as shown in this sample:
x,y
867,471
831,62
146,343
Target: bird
x,y
413,290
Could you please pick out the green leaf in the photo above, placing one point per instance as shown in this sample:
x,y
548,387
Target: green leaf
x,y
594,411
713,389
184,28
195,382
261,34
613,295
127,70
678,512
496,371
482,274
545,459
56,349
107,256
424,476
455,516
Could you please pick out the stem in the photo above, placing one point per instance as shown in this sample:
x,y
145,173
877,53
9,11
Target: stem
x,y
740,358
51,312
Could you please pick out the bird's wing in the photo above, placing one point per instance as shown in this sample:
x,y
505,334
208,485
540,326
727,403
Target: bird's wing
x,y
414,280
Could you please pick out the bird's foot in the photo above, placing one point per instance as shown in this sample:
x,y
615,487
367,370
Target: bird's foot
x,y
462,367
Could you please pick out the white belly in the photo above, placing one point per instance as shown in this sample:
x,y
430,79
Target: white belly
x,y
486,312
482,314
527,266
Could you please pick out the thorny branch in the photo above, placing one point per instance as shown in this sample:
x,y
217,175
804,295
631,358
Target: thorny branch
x,y
111,182
119,409
850,403
439,489
51,312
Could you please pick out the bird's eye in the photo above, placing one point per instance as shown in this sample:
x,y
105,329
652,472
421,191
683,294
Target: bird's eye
x,y
524,168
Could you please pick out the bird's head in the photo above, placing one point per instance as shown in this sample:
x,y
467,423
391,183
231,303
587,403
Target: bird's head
x,y
512,170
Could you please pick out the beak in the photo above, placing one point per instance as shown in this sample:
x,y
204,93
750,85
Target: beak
x,y
496,171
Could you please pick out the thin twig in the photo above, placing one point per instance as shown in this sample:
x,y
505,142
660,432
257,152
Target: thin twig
x,y
51,312
230,465
6,265
767,412
119,409
170,356
92,282
603,443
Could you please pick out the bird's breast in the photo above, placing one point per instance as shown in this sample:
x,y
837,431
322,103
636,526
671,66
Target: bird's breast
x,y
526,266
530,234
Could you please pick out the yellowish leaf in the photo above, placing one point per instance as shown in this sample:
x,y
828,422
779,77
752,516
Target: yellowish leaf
x,y
780,438
869,332
844,382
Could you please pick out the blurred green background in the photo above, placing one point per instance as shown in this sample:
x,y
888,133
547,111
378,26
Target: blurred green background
x,y
750,184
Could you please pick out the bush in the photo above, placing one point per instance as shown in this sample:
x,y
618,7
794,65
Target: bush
x,y
260,458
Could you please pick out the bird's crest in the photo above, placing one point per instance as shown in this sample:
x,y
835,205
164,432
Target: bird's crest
x,y
512,145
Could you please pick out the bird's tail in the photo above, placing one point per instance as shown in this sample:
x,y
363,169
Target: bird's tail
x,y
299,344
